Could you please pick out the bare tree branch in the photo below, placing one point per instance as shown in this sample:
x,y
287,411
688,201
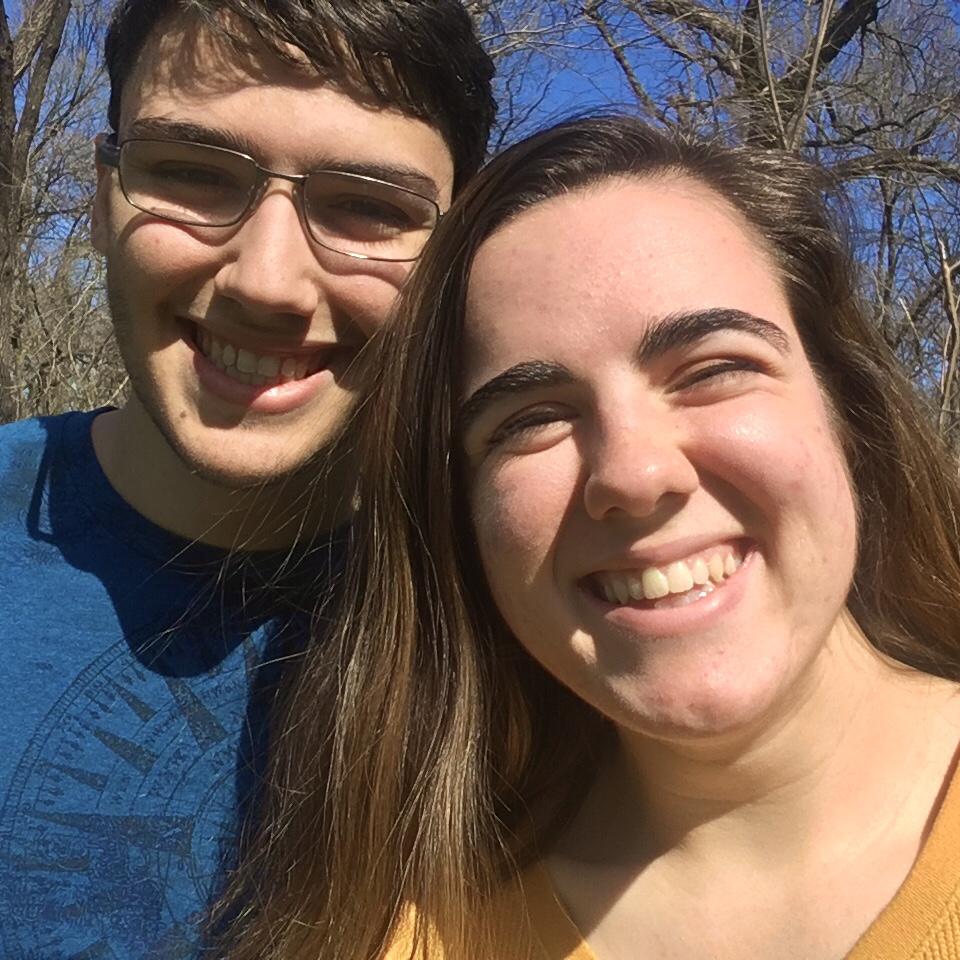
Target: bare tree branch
x,y
771,88
693,14
951,343
801,110
592,13
53,25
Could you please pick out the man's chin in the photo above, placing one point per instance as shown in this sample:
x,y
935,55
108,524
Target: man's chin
x,y
245,457
233,464
242,456
237,470
235,478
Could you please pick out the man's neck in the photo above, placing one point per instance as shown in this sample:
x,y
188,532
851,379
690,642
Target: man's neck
x,y
151,477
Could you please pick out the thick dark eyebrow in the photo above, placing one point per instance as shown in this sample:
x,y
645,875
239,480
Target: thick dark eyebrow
x,y
520,378
673,332
160,128
679,330
403,175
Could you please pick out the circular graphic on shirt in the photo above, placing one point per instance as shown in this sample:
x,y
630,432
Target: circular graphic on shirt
x,y
121,811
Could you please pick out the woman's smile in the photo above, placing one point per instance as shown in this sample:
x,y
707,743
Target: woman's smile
x,y
668,584
701,610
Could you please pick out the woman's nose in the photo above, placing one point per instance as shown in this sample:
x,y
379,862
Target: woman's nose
x,y
636,463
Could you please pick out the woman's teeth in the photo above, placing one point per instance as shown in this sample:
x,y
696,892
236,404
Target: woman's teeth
x,y
259,370
682,581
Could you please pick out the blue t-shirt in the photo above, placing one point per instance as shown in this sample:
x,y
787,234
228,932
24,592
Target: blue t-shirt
x,y
136,676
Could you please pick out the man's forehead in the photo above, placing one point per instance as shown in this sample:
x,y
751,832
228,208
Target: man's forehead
x,y
186,56
233,89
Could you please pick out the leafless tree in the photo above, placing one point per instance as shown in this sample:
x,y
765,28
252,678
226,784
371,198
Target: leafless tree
x,y
866,87
55,351
530,41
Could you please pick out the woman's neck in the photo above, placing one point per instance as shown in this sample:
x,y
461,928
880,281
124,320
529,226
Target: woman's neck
x,y
859,734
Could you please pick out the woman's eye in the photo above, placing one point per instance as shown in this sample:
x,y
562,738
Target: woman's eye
x,y
528,425
718,372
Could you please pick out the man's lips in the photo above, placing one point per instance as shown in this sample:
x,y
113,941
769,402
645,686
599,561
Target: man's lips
x,y
259,366
297,381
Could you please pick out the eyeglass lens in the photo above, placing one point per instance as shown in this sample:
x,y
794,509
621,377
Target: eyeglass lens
x,y
204,185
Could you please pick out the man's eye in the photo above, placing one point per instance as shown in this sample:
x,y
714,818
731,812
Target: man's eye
x,y
363,218
373,210
192,175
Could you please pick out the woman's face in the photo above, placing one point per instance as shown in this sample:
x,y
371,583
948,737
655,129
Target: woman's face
x,y
661,505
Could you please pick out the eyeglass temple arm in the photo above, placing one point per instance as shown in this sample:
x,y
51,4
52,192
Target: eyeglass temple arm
x,y
108,153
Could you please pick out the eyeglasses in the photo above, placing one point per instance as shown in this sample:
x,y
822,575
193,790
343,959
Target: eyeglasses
x,y
195,183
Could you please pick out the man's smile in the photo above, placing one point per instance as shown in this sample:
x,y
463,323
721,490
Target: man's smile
x,y
261,368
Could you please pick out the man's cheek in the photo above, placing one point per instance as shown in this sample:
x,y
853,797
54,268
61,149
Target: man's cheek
x,y
368,292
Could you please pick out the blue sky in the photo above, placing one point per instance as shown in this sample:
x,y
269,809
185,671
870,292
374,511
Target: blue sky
x,y
581,77
596,80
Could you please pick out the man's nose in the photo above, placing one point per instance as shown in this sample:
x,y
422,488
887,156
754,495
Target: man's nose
x,y
636,463
271,265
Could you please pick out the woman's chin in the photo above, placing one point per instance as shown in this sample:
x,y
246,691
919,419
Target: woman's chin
x,y
700,708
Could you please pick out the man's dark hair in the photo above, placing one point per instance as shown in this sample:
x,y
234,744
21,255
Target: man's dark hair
x,y
420,56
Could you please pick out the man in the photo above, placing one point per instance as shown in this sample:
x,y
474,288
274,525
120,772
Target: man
x,y
158,558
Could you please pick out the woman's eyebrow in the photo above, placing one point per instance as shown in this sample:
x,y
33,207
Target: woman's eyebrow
x,y
671,333
520,378
679,330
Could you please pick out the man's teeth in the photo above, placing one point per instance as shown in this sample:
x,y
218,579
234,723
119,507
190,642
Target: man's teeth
x,y
697,576
252,368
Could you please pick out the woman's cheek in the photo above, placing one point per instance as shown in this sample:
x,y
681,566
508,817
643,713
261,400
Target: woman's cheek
x,y
773,448
784,465
518,508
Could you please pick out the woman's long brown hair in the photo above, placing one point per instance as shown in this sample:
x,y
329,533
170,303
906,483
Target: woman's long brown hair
x,y
421,758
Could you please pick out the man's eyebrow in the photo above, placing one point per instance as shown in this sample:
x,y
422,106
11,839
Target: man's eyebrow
x,y
403,175
520,378
679,330
396,173
161,128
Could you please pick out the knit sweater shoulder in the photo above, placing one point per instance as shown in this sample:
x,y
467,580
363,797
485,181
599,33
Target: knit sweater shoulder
x,y
921,922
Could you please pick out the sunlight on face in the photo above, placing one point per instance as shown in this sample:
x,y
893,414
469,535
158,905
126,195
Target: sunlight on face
x,y
260,292
660,503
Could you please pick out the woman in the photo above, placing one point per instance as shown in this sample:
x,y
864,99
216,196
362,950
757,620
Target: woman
x,y
650,640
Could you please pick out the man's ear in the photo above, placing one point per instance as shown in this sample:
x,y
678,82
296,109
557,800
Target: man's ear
x,y
99,215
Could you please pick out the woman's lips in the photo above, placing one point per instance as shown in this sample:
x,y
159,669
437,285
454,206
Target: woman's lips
x,y
681,613
676,583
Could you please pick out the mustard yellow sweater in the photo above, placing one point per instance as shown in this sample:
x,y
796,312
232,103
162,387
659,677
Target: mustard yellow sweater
x,y
922,922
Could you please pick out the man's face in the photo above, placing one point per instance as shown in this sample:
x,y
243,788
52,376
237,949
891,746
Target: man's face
x,y
184,297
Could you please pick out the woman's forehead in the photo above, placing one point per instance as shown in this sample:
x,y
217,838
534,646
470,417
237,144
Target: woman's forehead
x,y
609,260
